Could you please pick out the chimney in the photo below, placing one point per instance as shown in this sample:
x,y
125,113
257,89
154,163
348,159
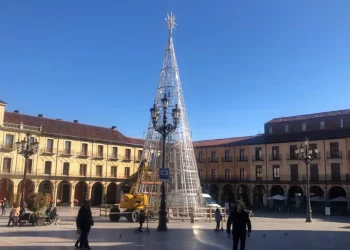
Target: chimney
x,y
40,115
2,112
76,121
114,128
16,111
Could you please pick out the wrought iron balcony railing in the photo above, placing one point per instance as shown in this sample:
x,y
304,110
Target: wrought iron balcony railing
x,y
257,157
334,154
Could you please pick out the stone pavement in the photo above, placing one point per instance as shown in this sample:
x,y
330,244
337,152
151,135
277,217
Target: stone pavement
x,y
268,233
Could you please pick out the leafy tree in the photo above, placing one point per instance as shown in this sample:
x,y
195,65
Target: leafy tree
x,y
37,202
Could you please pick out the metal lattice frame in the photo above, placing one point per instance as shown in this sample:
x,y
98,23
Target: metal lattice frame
x,y
183,188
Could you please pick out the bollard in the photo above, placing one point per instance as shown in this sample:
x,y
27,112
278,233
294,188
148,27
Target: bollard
x,y
192,215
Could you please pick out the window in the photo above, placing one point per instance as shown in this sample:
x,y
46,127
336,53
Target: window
x,y
275,153
334,150
294,173
276,172
67,146
242,174
213,156
115,153
303,126
292,149
99,170
6,167
258,154
65,168
201,156
114,172
258,172
48,165
128,154
49,145
270,130
126,172
286,128
82,170
227,156
335,171
342,123
84,149
213,174
242,155
99,150
200,173
29,166
9,141
314,172
227,174
139,155
321,124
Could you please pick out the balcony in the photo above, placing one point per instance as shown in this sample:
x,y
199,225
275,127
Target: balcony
x,y
113,157
48,151
98,156
126,158
275,157
334,154
84,154
241,158
212,160
200,160
66,152
292,157
257,157
138,159
8,147
227,158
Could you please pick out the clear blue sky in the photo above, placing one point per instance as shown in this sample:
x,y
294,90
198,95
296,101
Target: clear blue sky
x,y
241,62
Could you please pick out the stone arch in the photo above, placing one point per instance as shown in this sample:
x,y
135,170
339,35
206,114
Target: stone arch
x,y
336,191
64,192
96,194
276,190
214,192
6,189
295,197
227,194
80,193
205,188
46,187
111,193
259,194
29,188
243,193
316,191
294,191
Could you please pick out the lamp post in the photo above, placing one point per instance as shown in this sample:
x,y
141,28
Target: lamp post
x,y
27,149
307,155
164,129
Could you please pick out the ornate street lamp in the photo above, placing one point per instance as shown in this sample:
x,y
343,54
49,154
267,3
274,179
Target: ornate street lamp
x,y
164,129
26,148
307,155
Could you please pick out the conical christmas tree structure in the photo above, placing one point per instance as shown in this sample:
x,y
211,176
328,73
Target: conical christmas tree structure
x,y
183,191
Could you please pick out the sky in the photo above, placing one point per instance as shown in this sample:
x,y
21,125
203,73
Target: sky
x,y
241,63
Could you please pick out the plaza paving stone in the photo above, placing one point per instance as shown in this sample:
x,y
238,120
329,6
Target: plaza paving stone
x,y
268,233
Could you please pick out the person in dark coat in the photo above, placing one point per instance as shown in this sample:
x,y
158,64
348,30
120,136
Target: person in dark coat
x,y
84,224
240,221
142,217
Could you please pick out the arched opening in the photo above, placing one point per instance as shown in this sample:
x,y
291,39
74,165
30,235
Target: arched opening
x,y
259,196
205,188
6,190
214,192
46,187
63,193
29,188
96,194
126,188
80,192
243,194
296,198
112,193
227,194
338,200
276,190
317,199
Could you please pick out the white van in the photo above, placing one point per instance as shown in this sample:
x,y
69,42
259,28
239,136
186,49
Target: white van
x,y
209,202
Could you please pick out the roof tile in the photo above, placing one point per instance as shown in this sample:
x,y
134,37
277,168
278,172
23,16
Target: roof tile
x,y
218,142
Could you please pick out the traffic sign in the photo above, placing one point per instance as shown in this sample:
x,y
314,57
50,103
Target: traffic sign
x,y
164,174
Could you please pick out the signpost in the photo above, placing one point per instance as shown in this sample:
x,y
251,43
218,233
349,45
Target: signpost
x,y
164,174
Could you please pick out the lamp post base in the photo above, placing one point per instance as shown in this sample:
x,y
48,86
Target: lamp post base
x,y
162,227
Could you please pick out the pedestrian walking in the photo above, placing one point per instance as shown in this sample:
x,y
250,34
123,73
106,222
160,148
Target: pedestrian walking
x,y
3,207
84,224
142,217
240,221
218,219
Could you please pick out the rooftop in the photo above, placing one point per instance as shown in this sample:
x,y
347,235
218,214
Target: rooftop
x,y
71,129
219,142
2,102
310,116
